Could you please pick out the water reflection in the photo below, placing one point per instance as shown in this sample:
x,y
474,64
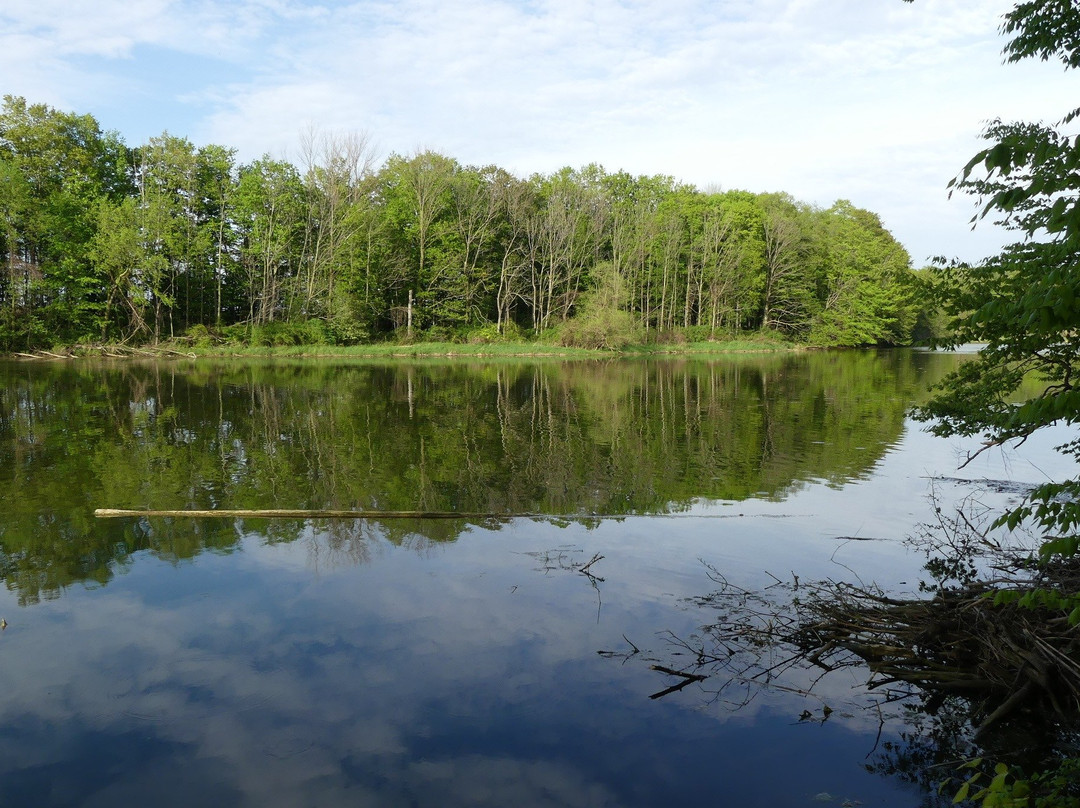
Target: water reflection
x,y
461,676
570,439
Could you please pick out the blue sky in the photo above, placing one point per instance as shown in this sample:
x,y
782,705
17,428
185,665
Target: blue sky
x,y
876,101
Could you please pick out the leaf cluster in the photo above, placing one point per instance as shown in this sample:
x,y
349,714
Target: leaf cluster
x,y
1023,303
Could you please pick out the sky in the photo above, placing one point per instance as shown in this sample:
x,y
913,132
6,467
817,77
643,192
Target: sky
x,y
879,102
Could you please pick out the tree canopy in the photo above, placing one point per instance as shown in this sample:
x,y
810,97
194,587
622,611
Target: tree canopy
x,y
100,242
1024,303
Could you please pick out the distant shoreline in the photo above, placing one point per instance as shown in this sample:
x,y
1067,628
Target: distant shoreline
x,y
435,350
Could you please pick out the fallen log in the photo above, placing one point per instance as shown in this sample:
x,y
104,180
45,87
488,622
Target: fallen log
x,y
292,513
301,513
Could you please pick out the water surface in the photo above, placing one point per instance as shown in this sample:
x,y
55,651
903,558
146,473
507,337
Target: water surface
x,y
452,662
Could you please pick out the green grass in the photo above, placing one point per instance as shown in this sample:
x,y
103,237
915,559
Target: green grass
x,y
439,350
389,350
501,349
732,346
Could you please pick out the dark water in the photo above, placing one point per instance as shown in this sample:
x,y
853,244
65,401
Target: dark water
x,y
455,662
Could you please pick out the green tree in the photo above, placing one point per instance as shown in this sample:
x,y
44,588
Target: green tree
x,y
269,209
415,193
337,172
564,234
476,207
216,182
15,196
57,166
788,294
866,284
117,251
1024,303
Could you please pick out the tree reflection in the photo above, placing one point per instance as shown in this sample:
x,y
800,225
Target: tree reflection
x,y
574,440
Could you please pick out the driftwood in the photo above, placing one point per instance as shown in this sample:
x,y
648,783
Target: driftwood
x,y
301,513
287,513
687,679
42,355
1004,659
113,351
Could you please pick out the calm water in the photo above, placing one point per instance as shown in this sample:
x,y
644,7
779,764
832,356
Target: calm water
x,y
452,663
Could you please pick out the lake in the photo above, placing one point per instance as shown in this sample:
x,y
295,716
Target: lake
x,y
450,662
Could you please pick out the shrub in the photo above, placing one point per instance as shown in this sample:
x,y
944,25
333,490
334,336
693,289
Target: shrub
x,y
199,336
603,329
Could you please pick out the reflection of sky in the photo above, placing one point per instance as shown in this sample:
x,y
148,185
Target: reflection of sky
x,y
452,674
462,675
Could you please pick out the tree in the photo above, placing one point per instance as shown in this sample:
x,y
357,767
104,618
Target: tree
x,y
269,208
415,193
337,171
15,196
1025,302
865,285
117,250
57,165
476,202
788,292
166,175
217,186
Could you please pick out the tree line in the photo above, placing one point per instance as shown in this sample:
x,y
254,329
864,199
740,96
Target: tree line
x,y
102,242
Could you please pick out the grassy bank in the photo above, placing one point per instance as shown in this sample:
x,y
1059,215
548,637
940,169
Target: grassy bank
x,y
185,349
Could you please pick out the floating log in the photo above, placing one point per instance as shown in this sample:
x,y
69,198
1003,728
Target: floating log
x,y
288,513
300,513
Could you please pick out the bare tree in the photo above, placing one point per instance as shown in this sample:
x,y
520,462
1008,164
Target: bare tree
x,y
336,168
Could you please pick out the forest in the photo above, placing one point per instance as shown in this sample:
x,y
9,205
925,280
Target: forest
x,y
102,242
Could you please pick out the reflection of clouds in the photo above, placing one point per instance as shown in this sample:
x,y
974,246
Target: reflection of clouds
x,y
502,782
295,675
464,677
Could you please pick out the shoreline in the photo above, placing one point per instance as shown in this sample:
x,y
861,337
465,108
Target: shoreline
x,y
436,350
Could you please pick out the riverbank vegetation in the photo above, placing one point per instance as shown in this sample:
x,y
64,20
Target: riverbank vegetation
x,y
189,347
105,243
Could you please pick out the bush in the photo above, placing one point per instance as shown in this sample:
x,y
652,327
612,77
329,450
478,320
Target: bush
x,y
341,331
673,336
602,329
438,333
346,325
199,336
485,335
302,332
489,333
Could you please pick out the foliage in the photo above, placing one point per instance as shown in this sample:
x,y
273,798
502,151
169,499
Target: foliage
x,y
869,283
1055,786
602,320
1024,303
102,242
